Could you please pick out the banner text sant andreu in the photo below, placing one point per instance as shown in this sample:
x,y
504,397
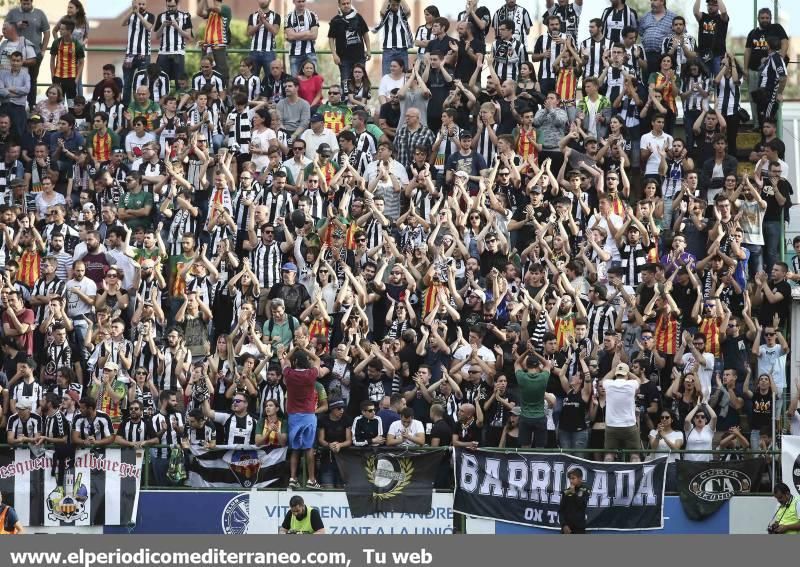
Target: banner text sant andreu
x,y
526,488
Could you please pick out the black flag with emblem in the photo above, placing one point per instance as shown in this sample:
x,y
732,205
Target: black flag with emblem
x,y
386,480
705,486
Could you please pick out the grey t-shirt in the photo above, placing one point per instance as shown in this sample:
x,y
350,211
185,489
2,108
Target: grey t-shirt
x,y
414,99
37,25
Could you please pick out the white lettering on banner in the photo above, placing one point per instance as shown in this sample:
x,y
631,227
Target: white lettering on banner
x,y
265,511
543,482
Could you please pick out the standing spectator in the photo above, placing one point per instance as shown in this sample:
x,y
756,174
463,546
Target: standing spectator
x,y
137,51
14,42
593,49
32,24
772,81
300,375
618,17
348,38
517,14
424,33
654,27
568,12
547,50
397,38
712,33
777,192
756,49
263,26
411,135
66,60
174,28
217,34
550,122
15,84
622,431
302,27
508,53
532,381
679,44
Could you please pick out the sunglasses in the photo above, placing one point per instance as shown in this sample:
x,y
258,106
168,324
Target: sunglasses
x,y
663,417
370,410
112,275
769,334
361,239
700,416
299,149
238,402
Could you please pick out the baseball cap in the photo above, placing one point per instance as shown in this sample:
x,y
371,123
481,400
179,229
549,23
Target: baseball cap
x,y
24,405
289,267
110,365
36,119
464,134
324,149
622,369
336,404
514,327
88,207
480,294
317,117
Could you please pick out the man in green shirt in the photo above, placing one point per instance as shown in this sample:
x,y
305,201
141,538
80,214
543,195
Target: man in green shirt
x,y
137,204
532,381
336,113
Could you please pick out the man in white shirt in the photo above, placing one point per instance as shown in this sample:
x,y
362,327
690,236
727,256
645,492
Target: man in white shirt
x,y
622,430
476,335
652,144
317,135
407,431
611,223
772,355
697,360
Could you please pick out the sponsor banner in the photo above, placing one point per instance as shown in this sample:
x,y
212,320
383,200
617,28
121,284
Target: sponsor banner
x,y
386,480
262,512
790,462
526,488
704,486
249,467
101,487
675,522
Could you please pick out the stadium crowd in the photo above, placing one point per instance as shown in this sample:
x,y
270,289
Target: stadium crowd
x,y
508,243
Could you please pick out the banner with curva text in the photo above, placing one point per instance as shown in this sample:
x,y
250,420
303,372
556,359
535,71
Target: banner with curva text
x,y
526,488
101,488
705,486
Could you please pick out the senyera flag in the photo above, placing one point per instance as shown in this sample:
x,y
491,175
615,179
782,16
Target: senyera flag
x,y
101,487
239,467
526,488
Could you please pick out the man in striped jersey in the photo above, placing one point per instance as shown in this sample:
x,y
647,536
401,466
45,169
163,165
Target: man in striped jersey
x,y
547,49
594,48
397,37
601,314
174,29
569,13
137,52
25,425
56,431
772,81
263,26
207,75
92,428
266,254
135,431
617,17
247,79
507,53
302,28
518,15
168,426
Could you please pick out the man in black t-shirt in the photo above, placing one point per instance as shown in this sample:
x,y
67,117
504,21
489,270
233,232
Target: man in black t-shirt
x,y
712,33
440,434
776,296
348,39
294,295
756,49
301,519
333,434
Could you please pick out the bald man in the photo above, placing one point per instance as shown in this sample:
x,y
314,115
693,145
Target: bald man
x,y
410,135
468,427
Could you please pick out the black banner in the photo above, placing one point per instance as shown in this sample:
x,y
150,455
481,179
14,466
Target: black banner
x,y
705,486
525,488
386,480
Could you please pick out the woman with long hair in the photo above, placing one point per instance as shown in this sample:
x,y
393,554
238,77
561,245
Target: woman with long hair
x,y
310,88
262,138
665,81
685,393
665,438
699,427
77,13
358,87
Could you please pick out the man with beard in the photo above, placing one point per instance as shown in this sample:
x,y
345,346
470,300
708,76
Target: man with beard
x,y
756,49
348,38
294,295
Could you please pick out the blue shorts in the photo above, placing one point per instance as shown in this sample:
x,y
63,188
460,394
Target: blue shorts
x,y
302,430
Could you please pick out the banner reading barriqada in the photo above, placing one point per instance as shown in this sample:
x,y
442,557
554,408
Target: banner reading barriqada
x,y
102,488
525,488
